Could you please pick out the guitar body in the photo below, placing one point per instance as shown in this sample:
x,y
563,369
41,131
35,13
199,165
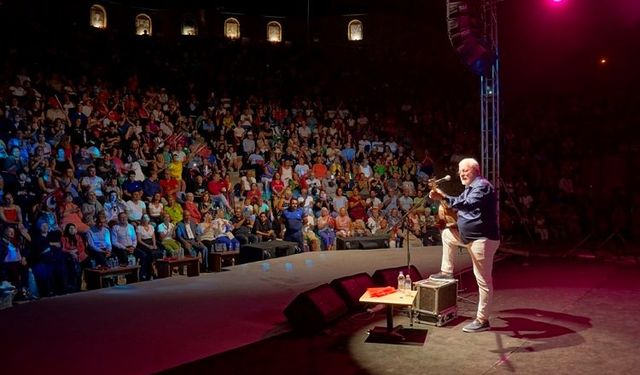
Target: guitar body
x,y
447,216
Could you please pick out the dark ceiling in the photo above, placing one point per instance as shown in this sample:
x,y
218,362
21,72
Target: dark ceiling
x,y
274,7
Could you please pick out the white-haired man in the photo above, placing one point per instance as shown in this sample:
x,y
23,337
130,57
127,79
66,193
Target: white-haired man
x,y
477,230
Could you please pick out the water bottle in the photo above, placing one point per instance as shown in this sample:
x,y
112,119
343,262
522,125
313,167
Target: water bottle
x,y
132,260
401,282
407,283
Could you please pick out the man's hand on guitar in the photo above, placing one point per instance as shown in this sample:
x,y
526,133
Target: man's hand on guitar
x,y
436,194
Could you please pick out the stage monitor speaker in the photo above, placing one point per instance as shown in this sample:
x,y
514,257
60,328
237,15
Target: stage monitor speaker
x,y
314,309
347,243
363,242
351,288
436,296
389,276
374,243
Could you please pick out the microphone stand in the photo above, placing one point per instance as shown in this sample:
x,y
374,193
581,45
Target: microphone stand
x,y
403,220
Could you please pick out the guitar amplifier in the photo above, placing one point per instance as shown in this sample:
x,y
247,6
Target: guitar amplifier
x,y
436,296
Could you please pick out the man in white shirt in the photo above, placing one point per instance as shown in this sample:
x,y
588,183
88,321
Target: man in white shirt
x,y
136,207
92,182
124,242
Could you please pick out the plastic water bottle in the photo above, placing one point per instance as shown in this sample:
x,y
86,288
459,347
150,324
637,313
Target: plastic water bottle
x,y
131,260
401,281
407,283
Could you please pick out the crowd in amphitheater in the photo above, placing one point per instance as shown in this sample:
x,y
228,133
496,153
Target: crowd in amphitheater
x,y
97,171
93,175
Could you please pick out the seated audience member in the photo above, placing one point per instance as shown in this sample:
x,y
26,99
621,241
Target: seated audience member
x,y
169,185
70,213
327,229
360,228
223,232
151,186
146,243
155,208
206,232
93,182
47,261
130,186
277,185
135,207
186,234
99,241
343,223
174,209
339,201
10,213
253,194
77,258
91,207
167,231
206,204
263,228
373,223
113,207
242,227
395,225
125,243
13,263
217,188
191,206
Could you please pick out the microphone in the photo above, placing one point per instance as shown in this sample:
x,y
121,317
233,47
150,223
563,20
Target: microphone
x,y
445,178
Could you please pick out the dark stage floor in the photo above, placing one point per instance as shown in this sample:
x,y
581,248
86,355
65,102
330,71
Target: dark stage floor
x,y
552,315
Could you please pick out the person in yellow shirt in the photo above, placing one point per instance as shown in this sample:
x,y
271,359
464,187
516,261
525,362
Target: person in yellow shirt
x,y
174,209
175,167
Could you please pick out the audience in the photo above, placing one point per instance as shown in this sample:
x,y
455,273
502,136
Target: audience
x,y
99,170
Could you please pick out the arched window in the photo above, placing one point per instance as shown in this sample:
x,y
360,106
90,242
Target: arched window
x,y
143,25
98,17
354,30
274,32
189,27
232,28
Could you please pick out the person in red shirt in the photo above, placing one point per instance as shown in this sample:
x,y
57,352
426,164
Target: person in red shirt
x,y
319,168
169,185
191,206
277,185
254,193
357,205
217,188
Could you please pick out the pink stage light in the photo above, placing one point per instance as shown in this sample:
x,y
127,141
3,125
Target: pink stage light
x,y
557,3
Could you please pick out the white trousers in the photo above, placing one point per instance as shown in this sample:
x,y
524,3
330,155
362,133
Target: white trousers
x,y
481,252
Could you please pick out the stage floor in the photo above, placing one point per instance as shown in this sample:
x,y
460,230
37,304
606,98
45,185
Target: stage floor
x,y
152,326
552,316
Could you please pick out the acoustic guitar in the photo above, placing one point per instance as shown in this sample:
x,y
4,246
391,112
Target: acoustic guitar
x,y
447,216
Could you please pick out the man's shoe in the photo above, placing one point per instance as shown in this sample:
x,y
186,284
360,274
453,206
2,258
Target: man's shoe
x,y
441,276
476,326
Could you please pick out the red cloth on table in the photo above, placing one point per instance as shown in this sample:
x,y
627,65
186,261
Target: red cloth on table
x,y
379,292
